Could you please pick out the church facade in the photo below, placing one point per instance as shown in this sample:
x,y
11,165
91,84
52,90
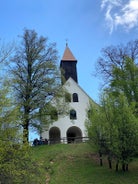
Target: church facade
x,y
70,127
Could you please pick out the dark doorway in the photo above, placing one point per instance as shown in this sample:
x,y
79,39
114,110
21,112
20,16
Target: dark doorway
x,y
54,135
74,134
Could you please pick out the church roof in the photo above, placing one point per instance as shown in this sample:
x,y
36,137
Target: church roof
x,y
71,82
68,56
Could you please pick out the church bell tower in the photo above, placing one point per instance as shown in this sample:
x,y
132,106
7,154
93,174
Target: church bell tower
x,y
68,66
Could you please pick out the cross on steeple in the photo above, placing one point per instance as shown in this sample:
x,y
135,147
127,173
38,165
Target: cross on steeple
x,y
66,42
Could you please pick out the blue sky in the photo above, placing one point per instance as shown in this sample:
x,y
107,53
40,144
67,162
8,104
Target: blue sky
x,y
89,26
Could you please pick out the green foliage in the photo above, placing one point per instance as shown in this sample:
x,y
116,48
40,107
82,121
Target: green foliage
x,y
51,111
127,127
114,128
35,77
9,116
118,66
16,165
78,164
67,97
96,127
125,79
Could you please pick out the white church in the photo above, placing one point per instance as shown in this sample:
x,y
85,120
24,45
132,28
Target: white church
x,y
71,127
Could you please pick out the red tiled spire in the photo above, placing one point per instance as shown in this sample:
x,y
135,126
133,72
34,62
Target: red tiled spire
x,y
68,56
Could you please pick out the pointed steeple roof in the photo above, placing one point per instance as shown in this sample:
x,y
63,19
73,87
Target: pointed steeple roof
x,y
68,65
68,56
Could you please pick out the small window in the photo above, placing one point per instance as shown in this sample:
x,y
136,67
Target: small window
x,y
75,97
73,114
67,97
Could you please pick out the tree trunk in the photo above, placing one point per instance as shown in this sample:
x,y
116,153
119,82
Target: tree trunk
x,y
117,166
110,162
101,160
123,167
26,132
126,167
26,124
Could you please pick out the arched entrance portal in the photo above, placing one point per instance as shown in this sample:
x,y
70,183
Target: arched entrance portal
x,y
74,134
54,135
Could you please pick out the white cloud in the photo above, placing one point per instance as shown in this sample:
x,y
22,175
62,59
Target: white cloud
x,y
118,13
109,18
110,2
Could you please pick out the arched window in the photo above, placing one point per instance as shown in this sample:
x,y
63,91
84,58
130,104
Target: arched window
x,y
67,97
73,114
75,97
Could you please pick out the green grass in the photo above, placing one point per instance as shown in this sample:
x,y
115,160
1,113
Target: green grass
x,y
78,164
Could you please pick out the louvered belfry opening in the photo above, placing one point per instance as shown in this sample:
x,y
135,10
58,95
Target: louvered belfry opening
x,y
68,66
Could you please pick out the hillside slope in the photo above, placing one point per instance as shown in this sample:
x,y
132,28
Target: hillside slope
x,y
78,164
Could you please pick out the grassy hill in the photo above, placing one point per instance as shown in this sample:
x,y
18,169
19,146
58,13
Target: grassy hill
x,y
78,164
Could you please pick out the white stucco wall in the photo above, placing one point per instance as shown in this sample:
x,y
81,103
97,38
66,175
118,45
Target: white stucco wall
x,y
64,123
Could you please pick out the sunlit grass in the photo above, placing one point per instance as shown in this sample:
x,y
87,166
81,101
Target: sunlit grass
x,y
78,164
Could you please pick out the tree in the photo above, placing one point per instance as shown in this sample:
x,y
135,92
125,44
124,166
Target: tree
x,y
16,164
36,78
114,56
108,109
119,104
119,68
101,128
96,130
117,125
125,80
6,51
127,131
